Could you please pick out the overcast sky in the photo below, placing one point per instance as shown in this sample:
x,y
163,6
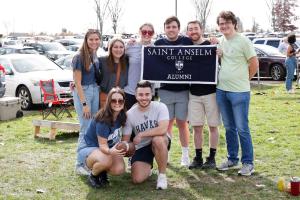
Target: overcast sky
x,y
79,15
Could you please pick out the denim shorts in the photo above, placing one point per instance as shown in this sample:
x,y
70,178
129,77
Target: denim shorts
x,y
83,152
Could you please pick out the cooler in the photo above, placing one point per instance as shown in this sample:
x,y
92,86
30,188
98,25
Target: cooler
x,y
9,106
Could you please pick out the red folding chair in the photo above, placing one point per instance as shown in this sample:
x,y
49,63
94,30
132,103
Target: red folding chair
x,y
55,106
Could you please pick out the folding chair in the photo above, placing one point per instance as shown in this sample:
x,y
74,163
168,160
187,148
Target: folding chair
x,y
55,106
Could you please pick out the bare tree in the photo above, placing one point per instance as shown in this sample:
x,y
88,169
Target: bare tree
x,y
115,11
255,26
284,14
202,8
7,26
101,8
271,6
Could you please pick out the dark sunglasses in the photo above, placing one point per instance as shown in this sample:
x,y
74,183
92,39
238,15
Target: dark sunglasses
x,y
93,31
119,101
144,32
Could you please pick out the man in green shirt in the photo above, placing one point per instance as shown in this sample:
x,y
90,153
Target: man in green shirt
x,y
238,65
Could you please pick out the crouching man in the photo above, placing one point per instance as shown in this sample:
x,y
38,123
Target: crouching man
x,y
149,121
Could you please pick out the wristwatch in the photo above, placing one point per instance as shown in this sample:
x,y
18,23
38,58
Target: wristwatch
x,y
84,103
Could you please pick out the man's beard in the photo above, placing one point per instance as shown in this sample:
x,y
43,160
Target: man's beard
x,y
144,106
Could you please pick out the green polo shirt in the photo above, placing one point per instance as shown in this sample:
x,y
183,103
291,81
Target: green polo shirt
x,y
234,70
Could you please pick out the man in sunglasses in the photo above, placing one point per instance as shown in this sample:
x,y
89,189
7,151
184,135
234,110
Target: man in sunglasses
x,y
176,96
149,121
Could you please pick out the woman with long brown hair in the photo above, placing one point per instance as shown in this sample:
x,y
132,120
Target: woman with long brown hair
x,y
97,150
114,68
86,91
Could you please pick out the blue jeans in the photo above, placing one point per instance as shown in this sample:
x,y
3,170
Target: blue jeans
x,y
291,64
91,93
234,108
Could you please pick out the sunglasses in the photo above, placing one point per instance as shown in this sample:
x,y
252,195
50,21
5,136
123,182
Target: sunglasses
x,y
117,101
144,32
93,31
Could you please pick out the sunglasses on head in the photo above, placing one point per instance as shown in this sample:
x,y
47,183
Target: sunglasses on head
x,y
93,31
144,32
119,101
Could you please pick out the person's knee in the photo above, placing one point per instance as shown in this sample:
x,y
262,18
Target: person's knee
x,y
137,179
105,163
158,142
117,170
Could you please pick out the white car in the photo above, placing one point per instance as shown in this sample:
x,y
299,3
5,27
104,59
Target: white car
x,y
66,61
23,73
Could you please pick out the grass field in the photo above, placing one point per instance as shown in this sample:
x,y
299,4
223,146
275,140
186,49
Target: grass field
x,y
42,169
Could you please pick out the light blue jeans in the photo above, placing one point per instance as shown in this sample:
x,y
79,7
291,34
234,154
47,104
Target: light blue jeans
x,y
91,93
291,64
234,108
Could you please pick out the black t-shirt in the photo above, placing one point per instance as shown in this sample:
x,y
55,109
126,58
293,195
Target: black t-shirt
x,y
202,89
181,40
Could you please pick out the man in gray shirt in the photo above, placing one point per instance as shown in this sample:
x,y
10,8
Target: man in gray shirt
x,y
149,121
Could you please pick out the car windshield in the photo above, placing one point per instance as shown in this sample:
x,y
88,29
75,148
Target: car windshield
x,y
65,62
271,51
28,51
54,46
30,64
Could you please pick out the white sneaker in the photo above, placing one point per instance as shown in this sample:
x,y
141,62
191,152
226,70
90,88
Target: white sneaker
x,y
82,171
185,161
291,91
162,183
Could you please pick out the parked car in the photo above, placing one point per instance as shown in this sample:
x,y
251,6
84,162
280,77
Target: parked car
x,y
271,62
23,73
67,41
274,42
17,49
52,50
2,81
66,61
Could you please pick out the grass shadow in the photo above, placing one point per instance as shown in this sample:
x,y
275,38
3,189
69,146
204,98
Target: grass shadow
x,y
61,137
286,98
262,87
212,184
121,187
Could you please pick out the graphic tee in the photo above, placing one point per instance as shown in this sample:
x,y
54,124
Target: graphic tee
x,y
139,121
113,134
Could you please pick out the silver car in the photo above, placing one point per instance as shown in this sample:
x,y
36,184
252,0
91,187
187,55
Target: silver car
x,y
24,72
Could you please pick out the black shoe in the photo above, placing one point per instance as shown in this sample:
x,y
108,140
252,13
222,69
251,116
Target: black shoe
x,y
94,181
197,163
210,163
103,179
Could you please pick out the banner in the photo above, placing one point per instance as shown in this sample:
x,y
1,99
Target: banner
x,y
180,64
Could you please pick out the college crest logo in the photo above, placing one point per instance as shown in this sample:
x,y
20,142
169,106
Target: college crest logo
x,y
179,64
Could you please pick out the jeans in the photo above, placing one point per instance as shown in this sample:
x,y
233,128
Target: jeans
x,y
291,64
91,93
234,107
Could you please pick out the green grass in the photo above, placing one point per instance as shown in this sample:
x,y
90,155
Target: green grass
x,y
29,165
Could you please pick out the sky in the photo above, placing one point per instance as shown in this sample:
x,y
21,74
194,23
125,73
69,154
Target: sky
x,y
35,16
